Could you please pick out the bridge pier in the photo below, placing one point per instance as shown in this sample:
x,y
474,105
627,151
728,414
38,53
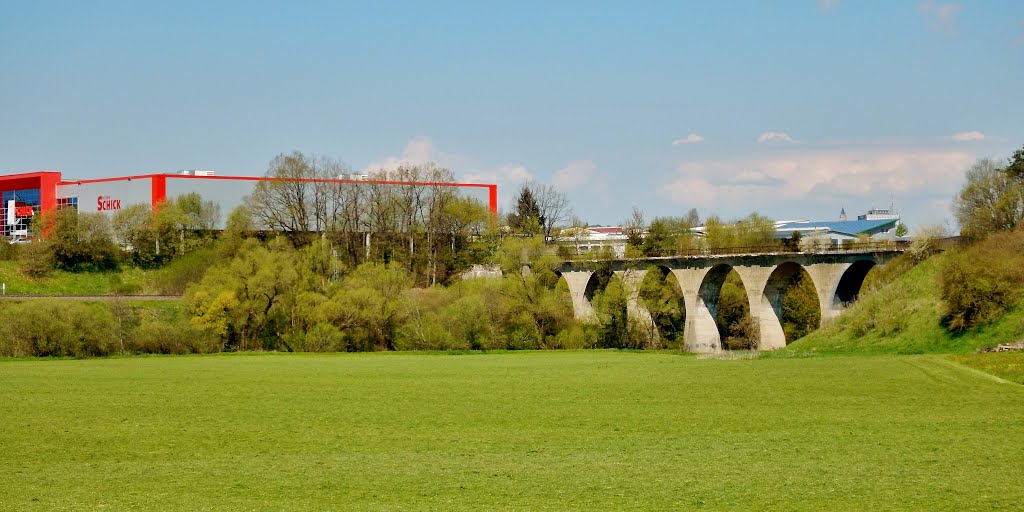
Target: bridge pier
x,y
826,278
700,332
577,281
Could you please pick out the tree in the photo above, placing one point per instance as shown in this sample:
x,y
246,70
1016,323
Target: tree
x,y
285,202
991,200
553,207
79,240
377,295
1015,168
692,218
667,235
663,299
753,230
527,218
246,300
634,227
801,313
736,327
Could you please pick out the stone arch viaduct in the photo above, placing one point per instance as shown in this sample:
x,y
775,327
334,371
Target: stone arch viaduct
x,y
837,277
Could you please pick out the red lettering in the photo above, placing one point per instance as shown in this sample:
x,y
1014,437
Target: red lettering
x,y
105,203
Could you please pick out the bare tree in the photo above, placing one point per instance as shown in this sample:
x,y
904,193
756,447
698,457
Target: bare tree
x,y
633,227
285,202
553,206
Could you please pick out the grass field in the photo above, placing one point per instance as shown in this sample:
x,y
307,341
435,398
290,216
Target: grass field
x,y
515,431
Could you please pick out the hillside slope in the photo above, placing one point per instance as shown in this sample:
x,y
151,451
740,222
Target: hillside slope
x,y
904,317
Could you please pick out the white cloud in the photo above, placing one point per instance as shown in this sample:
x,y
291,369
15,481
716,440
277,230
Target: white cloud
x,y
818,178
419,150
506,174
775,137
967,136
828,5
573,174
941,17
692,138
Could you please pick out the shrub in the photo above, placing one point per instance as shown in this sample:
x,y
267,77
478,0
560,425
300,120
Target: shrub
x,y
927,242
57,328
983,282
575,337
182,271
158,337
36,259
8,251
322,337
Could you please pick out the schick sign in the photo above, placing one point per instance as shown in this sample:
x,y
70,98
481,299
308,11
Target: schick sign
x,y
105,203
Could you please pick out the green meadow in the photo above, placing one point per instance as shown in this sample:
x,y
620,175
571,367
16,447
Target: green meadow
x,y
593,430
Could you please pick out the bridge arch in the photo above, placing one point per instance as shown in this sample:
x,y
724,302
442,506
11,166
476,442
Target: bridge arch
x,y
661,299
597,282
850,282
770,316
703,332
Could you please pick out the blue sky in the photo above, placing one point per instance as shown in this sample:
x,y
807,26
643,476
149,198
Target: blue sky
x,y
792,109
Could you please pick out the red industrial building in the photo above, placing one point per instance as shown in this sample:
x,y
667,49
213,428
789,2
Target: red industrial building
x,y
28,194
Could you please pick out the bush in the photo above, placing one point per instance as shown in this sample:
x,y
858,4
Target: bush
x,y
573,338
182,271
36,259
57,328
927,242
158,337
984,281
8,251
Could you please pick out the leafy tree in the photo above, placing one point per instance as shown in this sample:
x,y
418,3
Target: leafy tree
x,y
247,299
735,325
526,219
801,312
752,231
78,241
534,309
1015,167
667,236
663,299
991,201
610,304
377,295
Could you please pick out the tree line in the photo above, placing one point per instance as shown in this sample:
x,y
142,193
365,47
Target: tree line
x,y
309,263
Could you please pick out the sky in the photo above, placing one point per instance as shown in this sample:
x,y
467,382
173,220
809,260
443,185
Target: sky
x,y
793,109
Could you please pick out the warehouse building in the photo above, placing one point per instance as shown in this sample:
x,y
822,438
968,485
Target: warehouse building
x,y
26,195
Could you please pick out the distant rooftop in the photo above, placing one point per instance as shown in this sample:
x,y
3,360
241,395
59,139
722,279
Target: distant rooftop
x,y
846,227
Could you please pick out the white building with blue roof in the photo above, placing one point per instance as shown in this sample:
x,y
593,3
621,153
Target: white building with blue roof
x,y
877,224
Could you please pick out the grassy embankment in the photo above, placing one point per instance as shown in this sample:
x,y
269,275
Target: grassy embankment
x,y
589,430
73,283
905,317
